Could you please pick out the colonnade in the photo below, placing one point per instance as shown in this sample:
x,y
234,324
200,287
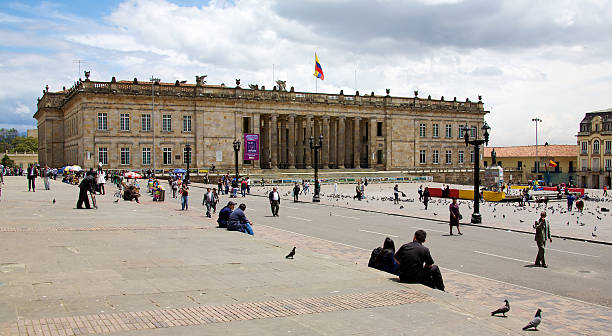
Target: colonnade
x,y
348,142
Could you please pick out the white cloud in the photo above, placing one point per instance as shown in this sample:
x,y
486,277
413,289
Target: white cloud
x,y
548,59
23,109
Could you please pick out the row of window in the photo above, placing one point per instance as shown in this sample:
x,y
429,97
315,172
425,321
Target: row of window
x,y
584,147
145,122
125,156
435,159
448,130
595,164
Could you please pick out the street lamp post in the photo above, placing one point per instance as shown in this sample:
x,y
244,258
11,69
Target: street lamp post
x,y
476,217
316,147
188,150
537,120
236,150
153,82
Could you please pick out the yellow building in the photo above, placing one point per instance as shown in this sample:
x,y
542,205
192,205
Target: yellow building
x,y
595,144
22,159
524,163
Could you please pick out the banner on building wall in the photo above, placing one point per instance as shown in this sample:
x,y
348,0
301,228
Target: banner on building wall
x,y
251,146
219,156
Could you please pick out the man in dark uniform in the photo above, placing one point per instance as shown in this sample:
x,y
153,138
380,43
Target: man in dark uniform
x,y
416,264
32,175
87,185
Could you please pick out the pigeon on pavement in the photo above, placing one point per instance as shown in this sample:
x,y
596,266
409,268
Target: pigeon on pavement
x,y
54,201
291,254
535,322
503,310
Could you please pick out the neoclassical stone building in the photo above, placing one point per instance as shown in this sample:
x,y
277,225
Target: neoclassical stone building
x,y
141,125
595,149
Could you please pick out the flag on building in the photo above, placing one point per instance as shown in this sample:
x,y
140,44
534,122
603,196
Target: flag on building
x,y
552,163
318,69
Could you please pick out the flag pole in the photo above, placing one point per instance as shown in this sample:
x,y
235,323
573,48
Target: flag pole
x,y
316,86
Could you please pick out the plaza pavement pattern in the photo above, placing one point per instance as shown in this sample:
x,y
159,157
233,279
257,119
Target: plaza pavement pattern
x,y
128,266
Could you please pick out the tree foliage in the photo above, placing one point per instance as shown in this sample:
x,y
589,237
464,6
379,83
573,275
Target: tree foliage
x,y
7,162
23,144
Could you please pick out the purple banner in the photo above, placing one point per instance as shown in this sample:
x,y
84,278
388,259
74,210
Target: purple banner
x,y
251,146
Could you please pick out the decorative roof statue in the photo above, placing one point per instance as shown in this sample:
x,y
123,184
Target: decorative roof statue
x,y
493,158
254,86
281,85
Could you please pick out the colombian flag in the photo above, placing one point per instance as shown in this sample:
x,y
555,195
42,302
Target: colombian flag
x,y
318,69
552,163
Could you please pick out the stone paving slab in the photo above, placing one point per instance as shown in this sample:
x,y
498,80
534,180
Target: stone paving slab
x,y
88,268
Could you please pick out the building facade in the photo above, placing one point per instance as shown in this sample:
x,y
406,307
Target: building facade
x,y
136,125
595,149
524,163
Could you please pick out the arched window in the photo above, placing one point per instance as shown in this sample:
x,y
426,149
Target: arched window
x,y
595,146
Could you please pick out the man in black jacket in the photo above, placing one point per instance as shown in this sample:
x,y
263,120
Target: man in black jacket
x,y
32,174
87,185
416,264
275,199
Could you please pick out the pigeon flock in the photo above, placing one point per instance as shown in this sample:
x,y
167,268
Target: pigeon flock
x,y
533,325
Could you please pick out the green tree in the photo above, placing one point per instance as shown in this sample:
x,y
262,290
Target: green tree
x,y
23,144
7,162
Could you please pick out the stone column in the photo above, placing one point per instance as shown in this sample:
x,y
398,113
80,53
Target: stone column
x,y
291,141
257,130
264,142
372,143
299,148
326,143
357,142
274,141
341,137
308,152
283,141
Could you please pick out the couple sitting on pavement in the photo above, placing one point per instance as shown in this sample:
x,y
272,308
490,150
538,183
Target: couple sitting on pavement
x,y
412,262
234,220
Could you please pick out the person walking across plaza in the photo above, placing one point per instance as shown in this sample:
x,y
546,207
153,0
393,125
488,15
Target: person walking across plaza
x,y
207,201
32,174
184,196
426,197
455,216
542,233
416,264
275,200
101,181
296,192
605,193
46,173
396,194
421,192
215,200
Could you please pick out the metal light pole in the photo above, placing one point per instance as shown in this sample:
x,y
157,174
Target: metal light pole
x,y
153,82
236,150
536,120
316,147
188,148
476,217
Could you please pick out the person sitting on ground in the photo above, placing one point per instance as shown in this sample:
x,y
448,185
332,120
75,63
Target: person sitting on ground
x,y
416,264
131,193
238,221
382,258
225,213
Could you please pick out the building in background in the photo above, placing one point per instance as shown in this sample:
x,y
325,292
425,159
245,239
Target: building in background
x,y
553,163
21,159
145,125
595,149
32,133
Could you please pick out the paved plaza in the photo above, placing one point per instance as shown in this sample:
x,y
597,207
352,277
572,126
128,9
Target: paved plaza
x,y
149,268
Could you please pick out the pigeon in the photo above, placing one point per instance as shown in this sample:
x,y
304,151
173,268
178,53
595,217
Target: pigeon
x,y
401,206
117,200
291,254
535,322
503,310
54,201
520,220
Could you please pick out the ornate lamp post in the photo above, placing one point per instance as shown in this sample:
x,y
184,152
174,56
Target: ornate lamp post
x,y
316,147
188,150
476,217
236,150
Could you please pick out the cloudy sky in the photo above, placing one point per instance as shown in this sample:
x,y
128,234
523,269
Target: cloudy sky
x,y
547,59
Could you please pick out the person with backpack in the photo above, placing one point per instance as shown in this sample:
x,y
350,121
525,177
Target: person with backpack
x,y
383,258
426,197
